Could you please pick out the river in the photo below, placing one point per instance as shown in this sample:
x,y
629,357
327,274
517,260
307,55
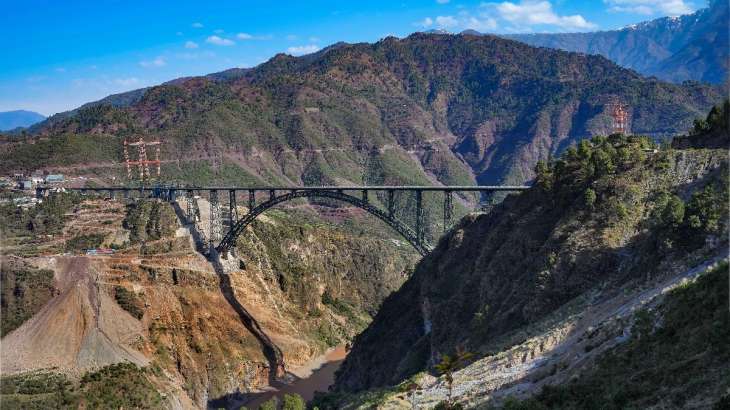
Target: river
x,y
317,375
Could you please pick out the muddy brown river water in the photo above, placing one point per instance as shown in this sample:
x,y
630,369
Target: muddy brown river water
x,y
317,375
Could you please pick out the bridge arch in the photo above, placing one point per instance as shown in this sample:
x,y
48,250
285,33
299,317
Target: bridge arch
x,y
407,233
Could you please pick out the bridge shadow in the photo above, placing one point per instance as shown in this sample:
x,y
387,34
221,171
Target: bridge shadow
x,y
271,351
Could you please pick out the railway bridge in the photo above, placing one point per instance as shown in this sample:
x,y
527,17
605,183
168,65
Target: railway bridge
x,y
262,198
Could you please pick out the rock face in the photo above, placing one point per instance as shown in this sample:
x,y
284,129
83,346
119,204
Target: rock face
x,y
690,47
306,283
578,231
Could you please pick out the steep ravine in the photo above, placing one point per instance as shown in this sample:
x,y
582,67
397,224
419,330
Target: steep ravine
x,y
609,217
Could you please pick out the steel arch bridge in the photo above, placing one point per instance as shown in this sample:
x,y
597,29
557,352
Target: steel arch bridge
x,y
222,243
412,237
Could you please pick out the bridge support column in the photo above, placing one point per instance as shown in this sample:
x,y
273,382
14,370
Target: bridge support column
x,y
448,209
391,203
126,194
272,194
419,216
112,195
190,211
215,219
251,200
365,195
232,211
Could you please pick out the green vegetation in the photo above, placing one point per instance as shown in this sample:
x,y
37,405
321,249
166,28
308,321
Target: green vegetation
x,y
81,242
293,402
149,220
23,292
675,356
44,219
711,132
446,367
716,120
129,301
122,385
64,149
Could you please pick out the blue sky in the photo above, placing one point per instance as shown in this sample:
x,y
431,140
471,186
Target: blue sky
x,y
61,54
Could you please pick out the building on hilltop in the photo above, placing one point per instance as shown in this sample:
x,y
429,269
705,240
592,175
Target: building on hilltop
x,y
54,178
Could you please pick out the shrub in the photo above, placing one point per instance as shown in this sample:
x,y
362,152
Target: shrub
x,y
128,301
293,402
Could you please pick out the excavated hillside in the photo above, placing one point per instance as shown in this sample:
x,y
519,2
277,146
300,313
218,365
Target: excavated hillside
x,y
309,285
606,228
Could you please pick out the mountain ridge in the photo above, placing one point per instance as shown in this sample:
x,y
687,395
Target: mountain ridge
x,y
676,49
453,106
10,120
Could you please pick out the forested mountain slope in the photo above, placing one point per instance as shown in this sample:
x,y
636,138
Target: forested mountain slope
x,y
425,109
611,215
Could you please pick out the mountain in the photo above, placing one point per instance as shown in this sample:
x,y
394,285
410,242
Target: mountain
x,y
554,280
431,108
690,47
10,120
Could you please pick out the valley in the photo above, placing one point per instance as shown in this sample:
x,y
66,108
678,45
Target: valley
x,y
516,220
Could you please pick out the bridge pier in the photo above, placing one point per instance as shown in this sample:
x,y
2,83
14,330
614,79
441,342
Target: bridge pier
x,y
448,209
215,219
251,199
391,203
232,211
190,214
419,216
272,194
365,195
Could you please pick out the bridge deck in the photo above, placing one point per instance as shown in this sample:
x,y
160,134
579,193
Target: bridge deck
x,y
319,188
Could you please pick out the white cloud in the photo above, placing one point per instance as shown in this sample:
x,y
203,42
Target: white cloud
x,y
463,21
446,22
219,41
442,1
531,13
191,44
244,36
648,7
480,24
197,25
218,31
157,62
425,23
127,82
300,50
314,39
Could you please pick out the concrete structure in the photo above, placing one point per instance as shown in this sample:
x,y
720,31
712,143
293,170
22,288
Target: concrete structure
x,y
54,178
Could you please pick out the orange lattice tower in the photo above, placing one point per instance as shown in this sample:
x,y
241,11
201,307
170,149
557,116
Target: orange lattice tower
x,y
142,162
620,117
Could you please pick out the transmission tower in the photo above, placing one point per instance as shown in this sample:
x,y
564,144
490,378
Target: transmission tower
x,y
142,162
620,116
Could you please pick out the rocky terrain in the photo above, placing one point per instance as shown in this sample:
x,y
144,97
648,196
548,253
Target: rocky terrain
x,y
677,49
553,274
308,284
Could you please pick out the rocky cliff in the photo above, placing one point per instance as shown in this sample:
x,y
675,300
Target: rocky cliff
x,y
610,216
307,284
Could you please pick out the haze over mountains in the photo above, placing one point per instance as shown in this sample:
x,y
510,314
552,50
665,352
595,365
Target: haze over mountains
x,y
10,120
676,49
